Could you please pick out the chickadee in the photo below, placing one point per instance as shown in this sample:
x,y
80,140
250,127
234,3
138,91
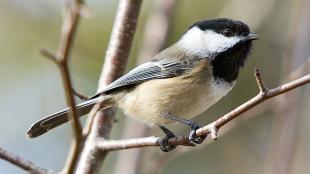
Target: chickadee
x,y
179,83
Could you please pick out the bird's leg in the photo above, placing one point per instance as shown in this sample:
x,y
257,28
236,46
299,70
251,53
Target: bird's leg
x,y
163,142
194,126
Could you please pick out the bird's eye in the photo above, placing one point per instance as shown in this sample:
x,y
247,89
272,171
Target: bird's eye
x,y
227,32
244,33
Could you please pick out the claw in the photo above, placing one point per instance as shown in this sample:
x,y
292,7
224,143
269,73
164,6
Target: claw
x,y
163,142
164,146
193,136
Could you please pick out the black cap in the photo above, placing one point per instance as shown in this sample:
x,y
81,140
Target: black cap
x,y
222,25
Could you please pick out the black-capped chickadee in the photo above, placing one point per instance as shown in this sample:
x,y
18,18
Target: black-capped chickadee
x,y
179,83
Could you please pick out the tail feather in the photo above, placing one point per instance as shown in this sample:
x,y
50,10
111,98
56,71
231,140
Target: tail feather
x,y
49,122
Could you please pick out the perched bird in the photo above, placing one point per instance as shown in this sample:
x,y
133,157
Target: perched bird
x,y
179,83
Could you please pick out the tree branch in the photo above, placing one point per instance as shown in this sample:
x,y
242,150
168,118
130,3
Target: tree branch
x,y
22,163
99,124
213,127
155,33
71,16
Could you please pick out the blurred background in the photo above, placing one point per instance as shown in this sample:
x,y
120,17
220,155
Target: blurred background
x,y
272,138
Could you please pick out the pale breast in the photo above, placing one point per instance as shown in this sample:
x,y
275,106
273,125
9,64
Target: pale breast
x,y
185,96
152,101
201,98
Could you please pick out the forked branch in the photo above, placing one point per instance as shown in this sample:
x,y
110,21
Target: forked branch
x,y
71,17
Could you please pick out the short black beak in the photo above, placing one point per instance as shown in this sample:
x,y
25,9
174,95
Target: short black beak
x,y
252,36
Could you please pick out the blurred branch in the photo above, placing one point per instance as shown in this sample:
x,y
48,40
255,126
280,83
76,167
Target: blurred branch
x,y
154,37
284,135
213,127
71,16
156,29
255,14
22,163
99,124
305,67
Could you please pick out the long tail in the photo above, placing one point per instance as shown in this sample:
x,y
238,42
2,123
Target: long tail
x,y
47,123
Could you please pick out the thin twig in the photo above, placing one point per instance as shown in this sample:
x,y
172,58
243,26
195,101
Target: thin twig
x,y
22,163
213,127
70,22
49,54
303,69
260,83
80,95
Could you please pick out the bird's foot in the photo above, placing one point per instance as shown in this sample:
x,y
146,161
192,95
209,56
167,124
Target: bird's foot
x,y
193,136
163,142
194,126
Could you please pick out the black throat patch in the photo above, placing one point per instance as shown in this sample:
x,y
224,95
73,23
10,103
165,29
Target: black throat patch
x,y
227,64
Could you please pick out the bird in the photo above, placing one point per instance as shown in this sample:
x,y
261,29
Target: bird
x,y
177,84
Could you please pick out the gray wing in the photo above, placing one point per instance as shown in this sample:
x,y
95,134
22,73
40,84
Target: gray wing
x,y
156,69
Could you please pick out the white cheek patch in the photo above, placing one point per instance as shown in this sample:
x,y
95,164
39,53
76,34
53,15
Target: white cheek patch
x,y
217,43
193,41
206,43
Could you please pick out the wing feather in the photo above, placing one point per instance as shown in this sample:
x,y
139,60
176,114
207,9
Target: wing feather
x,y
156,69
